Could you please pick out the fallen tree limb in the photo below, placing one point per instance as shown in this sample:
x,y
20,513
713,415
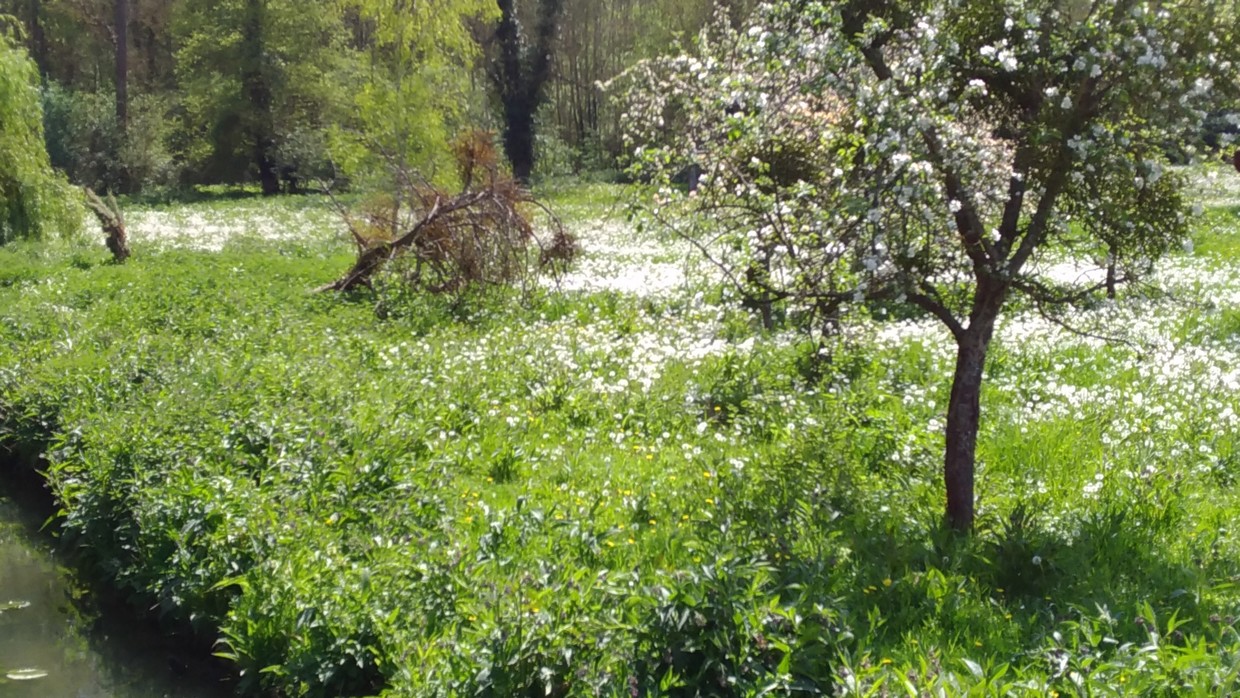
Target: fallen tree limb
x,y
113,222
480,237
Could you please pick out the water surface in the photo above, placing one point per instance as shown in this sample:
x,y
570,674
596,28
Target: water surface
x,y
53,646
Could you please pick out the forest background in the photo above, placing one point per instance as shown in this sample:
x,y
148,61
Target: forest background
x,y
157,96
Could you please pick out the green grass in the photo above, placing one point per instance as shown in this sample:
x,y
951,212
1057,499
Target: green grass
x,y
559,497
1217,235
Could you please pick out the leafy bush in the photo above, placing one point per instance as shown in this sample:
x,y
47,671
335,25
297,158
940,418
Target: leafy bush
x,y
84,140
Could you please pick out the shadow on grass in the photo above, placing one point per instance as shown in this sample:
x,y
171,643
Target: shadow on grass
x,y
903,582
223,193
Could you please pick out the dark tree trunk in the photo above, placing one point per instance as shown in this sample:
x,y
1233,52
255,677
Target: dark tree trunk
x,y
254,81
519,141
963,419
964,408
122,64
268,173
38,39
520,76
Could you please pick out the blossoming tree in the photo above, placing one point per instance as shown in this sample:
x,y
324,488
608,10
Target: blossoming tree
x,y
933,153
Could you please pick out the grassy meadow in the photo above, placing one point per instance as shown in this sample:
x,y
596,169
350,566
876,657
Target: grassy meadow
x,y
619,485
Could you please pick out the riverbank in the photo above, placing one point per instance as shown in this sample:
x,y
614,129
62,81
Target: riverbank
x,y
58,638
601,490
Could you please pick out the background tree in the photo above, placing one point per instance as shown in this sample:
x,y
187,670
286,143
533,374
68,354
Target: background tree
x,y
132,98
35,202
37,38
933,155
121,32
259,82
598,40
519,70
413,90
100,71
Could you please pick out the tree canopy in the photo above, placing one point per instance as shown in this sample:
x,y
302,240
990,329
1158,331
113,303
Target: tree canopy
x,y
261,84
413,91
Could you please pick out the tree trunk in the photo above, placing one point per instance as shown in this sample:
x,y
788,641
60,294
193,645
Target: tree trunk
x,y
268,173
122,64
519,140
963,420
1111,274
38,39
521,76
258,93
112,219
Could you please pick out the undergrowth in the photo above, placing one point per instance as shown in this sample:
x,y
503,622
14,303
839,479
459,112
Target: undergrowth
x,y
600,494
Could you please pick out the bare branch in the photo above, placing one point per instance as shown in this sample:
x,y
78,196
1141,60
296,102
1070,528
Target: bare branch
x,y
1045,312
938,310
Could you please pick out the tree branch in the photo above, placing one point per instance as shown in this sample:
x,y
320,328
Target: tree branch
x,y
938,310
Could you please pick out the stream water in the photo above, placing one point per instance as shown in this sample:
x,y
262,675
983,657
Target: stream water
x,y
51,648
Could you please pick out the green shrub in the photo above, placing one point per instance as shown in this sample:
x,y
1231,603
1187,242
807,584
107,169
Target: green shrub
x,y
492,499
84,140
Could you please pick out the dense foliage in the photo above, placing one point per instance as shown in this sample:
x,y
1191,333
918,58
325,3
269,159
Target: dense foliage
x,y
415,94
35,202
617,481
261,82
353,84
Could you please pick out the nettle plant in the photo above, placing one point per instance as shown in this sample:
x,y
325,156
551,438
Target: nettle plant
x,y
937,155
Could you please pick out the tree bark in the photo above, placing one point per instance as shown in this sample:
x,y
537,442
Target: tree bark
x,y
122,64
963,421
519,141
521,76
38,39
964,406
258,93
268,174
112,219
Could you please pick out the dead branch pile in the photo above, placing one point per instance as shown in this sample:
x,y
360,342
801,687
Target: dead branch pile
x,y
113,222
479,237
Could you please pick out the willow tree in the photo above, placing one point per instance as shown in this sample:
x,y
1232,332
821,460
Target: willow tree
x,y
35,201
933,153
414,91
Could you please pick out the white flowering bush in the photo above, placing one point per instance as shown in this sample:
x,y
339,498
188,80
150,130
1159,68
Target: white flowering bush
x,y
935,155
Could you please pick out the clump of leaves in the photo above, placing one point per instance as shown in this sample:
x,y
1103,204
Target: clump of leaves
x,y
477,238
